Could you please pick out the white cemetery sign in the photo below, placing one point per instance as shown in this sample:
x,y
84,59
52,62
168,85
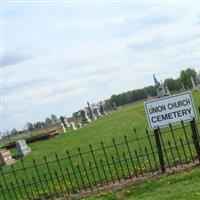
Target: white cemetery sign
x,y
170,110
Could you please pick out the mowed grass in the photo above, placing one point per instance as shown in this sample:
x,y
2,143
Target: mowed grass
x,y
113,125
184,186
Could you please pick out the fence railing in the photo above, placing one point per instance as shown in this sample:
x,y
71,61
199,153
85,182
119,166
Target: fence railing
x,y
134,157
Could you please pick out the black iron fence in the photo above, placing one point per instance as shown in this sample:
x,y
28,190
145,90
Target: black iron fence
x,y
135,156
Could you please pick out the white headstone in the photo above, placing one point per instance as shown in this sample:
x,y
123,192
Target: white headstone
x,y
66,122
73,127
183,86
63,128
90,111
193,83
22,148
167,90
80,125
97,112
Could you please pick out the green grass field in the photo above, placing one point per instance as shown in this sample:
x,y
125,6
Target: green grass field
x,y
113,125
184,186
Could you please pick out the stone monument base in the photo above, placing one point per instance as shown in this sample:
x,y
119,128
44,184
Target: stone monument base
x,y
6,158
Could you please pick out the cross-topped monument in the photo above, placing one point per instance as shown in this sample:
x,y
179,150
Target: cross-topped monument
x,y
91,115
159,88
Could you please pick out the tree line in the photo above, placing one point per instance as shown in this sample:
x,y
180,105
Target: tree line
x,y
174,85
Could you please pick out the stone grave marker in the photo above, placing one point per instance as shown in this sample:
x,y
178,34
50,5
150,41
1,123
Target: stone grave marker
x,y
167,91
67,124
73,126
63,128
22,148
159,88
183,87
91,114
97,112
80,125
114,105
6,158
84,116
101,108
193,83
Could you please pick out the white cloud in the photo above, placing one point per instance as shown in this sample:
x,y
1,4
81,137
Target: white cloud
x,y
91,55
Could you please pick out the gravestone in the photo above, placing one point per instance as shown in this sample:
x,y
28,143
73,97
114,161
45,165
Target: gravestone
x,y
80,125
22,148
198,81
159,88
96,112
114,105
198,86
102,110
73,126
167,91
84,116
64,121
67,124
91,115
183,86
63,128
193,83
6,158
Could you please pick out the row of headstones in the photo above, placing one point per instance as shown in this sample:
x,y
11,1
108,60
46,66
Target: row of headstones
x,y
22,150
87,114
195,86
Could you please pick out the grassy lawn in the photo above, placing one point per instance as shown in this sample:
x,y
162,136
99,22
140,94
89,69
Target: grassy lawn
x,y
183,186
113,125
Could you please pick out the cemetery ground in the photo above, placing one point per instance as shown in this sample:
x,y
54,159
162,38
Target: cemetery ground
x,y
184,185
114,125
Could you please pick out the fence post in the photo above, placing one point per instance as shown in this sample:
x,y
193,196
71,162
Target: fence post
x,y
195,137
159,149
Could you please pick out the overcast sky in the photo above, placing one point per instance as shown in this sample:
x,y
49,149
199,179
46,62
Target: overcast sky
x,y
58,56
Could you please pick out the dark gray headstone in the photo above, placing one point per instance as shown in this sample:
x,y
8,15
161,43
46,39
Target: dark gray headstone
x,y
101,108
84,116
114,105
